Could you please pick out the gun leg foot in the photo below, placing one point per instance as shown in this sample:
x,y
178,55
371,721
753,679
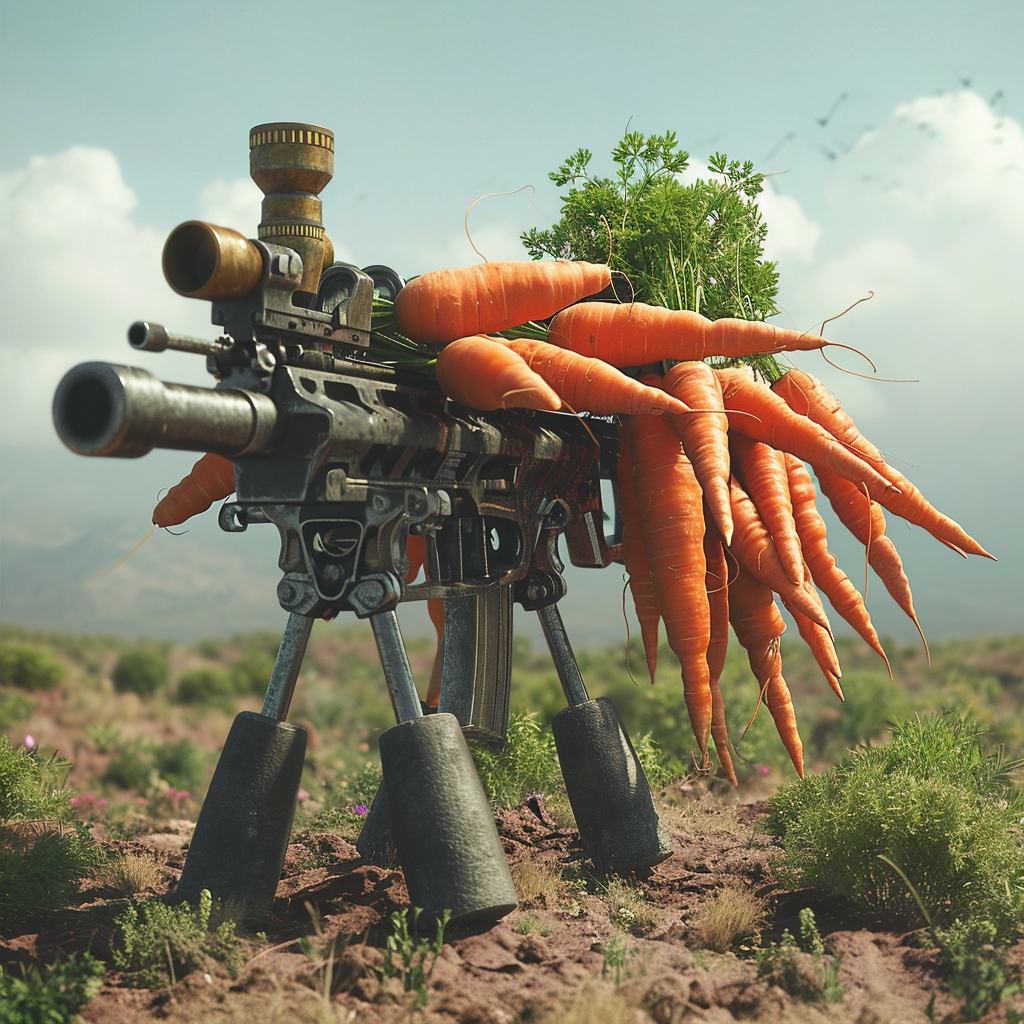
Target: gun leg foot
x,y
241,837
442,824
608,789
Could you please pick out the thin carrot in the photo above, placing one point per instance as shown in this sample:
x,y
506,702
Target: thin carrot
x,y
490,297
809,397
716,583
484,375
634,334
634,553
868,526
835,584
759,628
821,646
753,548
762,471
704,435
590,384
210,479
672,519
766,417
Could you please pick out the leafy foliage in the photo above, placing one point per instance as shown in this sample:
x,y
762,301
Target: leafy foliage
x,y
54,996
30,667
140,670
927,826
692,246
528,763
409,956
43,853
155,945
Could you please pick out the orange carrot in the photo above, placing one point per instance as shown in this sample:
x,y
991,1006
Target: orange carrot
x,y
836,585
753,548
484,375
704,435
822,647
809,397
634,553
762,472
489,297
759,627
210,479
590,384
766,417
717,585
635,334
868,526
672,519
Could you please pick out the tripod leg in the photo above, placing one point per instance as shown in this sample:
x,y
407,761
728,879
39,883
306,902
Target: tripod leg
x,y
440,820
608,790
241,837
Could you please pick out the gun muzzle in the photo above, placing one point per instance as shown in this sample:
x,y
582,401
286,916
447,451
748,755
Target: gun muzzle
x,y
108,409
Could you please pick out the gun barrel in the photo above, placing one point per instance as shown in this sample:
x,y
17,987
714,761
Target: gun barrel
x,y
109,409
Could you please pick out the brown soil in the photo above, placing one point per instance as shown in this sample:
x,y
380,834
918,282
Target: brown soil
x,y
574,951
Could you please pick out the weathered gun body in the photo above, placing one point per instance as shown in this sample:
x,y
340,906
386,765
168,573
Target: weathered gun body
x,y
349,458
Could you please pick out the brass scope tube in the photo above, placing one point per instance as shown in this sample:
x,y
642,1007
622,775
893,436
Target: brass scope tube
x,y
205,261
109,409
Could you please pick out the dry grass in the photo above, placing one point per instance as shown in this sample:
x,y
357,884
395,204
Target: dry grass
x,y
730,915
595,1003
538,882
628,907
131,873
702,814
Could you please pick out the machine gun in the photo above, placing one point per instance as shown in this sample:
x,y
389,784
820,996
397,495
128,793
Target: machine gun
x,y
348,458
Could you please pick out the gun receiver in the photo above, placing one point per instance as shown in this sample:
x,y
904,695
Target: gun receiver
x,y
348,457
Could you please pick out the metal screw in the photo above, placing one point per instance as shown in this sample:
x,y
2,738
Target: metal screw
x,y
332,572
286,593
535,591
379,503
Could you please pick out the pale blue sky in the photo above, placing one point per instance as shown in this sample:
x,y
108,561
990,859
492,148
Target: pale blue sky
x,y
910,188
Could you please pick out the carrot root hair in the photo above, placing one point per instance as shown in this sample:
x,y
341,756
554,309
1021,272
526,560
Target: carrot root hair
x,y
124,558
488,195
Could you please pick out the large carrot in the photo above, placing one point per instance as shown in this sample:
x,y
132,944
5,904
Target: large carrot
x,y
489,297
755,410
717,586
210,479
835,584
590,384
635,334
634,553
672,520
762,471
866,521
484,375
753,548
705,436
759,627
809,397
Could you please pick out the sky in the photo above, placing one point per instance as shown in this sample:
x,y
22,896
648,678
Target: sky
x,y
893,136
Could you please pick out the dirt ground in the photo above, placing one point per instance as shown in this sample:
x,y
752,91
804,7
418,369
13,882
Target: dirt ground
x,y
577,949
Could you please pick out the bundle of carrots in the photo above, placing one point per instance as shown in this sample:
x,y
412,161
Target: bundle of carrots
x,y
719,511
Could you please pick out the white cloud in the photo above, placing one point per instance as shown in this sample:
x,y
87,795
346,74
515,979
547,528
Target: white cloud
x,y
790,232
232,203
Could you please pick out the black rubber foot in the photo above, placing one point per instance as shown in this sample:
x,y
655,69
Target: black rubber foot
x,y
374,843
442,825
240,840
607,789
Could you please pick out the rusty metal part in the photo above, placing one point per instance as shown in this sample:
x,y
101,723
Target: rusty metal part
x,y
205,261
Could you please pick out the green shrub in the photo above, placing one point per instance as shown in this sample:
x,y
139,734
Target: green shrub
x,y
15,708
131,767
250,674
182,764
526,764
29,667
141,670
155,945
43,853
52,996
927,826
206,686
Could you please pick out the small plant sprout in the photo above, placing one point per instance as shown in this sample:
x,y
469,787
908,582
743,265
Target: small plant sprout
x,y
409,956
